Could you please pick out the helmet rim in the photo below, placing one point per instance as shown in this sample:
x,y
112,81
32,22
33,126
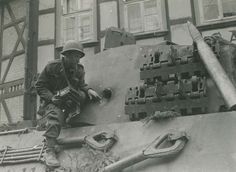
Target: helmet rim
x,y
73,45
73,49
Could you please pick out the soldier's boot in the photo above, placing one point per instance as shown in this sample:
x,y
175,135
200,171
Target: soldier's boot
x,y
50,154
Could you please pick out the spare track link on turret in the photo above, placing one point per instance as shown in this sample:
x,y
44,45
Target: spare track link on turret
x,y
174,79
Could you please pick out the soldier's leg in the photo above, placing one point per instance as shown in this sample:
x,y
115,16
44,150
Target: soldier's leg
x,y
83,97
55,119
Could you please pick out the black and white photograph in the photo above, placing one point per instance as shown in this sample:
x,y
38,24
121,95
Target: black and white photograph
x,y
117,85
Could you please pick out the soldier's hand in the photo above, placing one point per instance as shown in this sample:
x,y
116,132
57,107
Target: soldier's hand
x,y
93,95
56,100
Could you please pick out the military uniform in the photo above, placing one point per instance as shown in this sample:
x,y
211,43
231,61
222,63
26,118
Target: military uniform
x,y
51,80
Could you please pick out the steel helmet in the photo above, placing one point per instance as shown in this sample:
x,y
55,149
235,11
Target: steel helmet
x,y
73,45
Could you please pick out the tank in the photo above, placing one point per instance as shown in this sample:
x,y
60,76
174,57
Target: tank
x,y
169,108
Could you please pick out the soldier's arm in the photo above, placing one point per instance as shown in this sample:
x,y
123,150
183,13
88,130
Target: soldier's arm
x,y
89,91
42,85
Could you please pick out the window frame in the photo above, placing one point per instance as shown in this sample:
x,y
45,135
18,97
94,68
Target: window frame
x,y
78,14
220,18
77,4
142,13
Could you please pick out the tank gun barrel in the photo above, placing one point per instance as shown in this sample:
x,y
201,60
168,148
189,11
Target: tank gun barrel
x,y
214,68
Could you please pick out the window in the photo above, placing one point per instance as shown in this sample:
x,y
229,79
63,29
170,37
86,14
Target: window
x,y
213,10
84,27
78,20
229,8
134,17
69,29
85,4
70,6
143,16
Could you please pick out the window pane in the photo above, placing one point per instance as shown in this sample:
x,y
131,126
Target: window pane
x,y
69,28
134,17
210,9
151,17
85,4
150,7
84,27
229,8
70,34
108,14
69,22
71,6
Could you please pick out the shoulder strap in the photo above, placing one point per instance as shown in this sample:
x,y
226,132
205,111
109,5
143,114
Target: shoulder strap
x,y
64,72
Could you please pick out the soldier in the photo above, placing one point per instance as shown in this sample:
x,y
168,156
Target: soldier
x,y
56,76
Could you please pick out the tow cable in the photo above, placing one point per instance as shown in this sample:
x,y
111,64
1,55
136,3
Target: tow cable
x,y
102,140
177,140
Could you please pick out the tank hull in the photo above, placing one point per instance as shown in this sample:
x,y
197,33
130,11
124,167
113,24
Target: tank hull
x,y
211,146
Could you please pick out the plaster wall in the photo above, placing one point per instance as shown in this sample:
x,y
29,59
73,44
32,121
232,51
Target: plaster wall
x,y
180,34
46,27
45,54
179,9
108,13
